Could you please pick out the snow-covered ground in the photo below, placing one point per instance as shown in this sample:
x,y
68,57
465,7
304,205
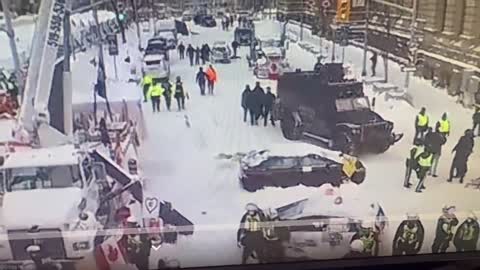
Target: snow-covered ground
x,y
180,165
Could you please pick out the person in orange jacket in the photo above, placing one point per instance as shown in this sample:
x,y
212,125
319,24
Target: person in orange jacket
x,y
211,78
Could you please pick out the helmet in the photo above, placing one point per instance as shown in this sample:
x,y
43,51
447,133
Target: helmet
x,y
357,246
251,207
412,216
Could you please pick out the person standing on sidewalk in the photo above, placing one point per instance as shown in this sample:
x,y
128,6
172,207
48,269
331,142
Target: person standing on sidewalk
x,y
155,93
434,142
201,79
211,78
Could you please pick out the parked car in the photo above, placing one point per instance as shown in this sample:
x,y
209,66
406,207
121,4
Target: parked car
x,y
157,66
208,21
221,52
170,39
260,169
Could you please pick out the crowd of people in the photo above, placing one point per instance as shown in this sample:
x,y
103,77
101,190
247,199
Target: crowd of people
x,y
196,55
428,143
256,103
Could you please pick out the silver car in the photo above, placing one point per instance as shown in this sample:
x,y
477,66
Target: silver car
x,y
221,52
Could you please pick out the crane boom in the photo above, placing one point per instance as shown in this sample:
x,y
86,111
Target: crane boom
x,y
34,113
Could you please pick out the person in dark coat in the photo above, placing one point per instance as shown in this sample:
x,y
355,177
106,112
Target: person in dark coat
x,y
245,95
235,46
373,60
318,65
466,237
201,79
476,121
197,56
180,94
239,21
190,53
444,233
223,24
259,96
205,53
250,235
227,24
181,50
434,142
268,106
462,150
167,94
252,107
231,20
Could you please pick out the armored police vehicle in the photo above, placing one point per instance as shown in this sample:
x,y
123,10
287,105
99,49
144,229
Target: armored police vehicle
x,y
324,106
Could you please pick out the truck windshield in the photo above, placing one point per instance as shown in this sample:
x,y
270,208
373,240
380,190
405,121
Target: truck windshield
x,y
30,178
352,104
153,63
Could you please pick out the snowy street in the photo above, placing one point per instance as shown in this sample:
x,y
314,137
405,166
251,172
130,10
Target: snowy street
x,y
179,162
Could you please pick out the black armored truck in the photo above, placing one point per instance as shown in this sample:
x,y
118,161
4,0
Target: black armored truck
x,y
324,106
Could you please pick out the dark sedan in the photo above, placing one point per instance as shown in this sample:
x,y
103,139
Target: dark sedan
x,y
284,171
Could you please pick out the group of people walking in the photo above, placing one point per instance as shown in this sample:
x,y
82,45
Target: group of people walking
x,y
154,91
428,143
227,21
196,55
257,103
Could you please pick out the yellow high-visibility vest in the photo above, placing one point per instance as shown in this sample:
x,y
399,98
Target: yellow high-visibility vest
x,y
147,80
349,165
425,162
422,120
444,126
419,151
252,223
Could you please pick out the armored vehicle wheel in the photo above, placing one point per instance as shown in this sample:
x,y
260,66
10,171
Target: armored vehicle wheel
x,y
289,130
343,142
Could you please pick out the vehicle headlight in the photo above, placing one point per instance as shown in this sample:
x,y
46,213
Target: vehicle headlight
x,y
356,131
83,245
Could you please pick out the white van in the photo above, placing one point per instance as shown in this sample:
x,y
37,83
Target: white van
x,y
156,66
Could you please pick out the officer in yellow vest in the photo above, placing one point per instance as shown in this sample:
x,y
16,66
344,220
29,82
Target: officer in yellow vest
x,y
250,234
424,163
155,93
421,124
443,125
411,162
146,82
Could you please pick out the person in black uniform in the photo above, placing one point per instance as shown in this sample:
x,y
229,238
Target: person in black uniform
x,y
466,237
463,150
201,79
179,94
409,237
250,235
444,233
167,94
268,106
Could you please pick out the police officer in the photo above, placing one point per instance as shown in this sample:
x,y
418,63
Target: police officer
x,y
147,81
411,162
421,124
443,125
409,237
155,92
250,234
434,141
167,94
179,94
444,233
424,164
466,237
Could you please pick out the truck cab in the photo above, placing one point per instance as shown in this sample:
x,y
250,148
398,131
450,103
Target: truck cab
x,y
47,196
324,106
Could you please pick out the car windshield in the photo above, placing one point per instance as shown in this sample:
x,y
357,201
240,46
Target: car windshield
x,y
30,178
352,104
279,163
220,49
153,62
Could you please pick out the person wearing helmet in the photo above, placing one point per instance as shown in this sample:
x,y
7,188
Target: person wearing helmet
x,y
367,235
409,237
466,237
250,235
273,235
444,232
356,250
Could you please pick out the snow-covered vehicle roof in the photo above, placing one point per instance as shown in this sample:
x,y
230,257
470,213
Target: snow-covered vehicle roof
x,y
220,44
165,25
154,57
42,157
272,51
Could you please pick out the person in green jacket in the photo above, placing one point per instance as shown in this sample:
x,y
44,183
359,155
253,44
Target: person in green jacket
x,y
154,93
